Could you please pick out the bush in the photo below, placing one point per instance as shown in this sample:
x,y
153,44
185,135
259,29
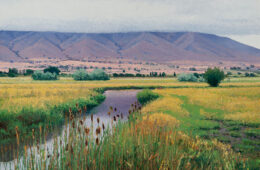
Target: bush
x,y
187,77
39,75
214,76
146,96
80,75
52,69
98,74
13,72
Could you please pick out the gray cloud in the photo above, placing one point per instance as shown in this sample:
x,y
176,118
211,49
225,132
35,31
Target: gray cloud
x,y
238,17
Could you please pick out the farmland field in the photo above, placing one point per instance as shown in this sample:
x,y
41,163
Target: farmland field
x,y
226,118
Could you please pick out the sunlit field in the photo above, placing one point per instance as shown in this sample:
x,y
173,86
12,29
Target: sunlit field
x,y
230,115
16,93
190,125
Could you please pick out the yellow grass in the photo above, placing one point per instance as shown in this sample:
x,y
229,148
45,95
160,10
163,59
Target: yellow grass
x,y
241,104
16,96
16,93
166,103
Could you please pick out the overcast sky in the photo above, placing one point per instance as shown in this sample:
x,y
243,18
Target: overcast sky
x,y
238,19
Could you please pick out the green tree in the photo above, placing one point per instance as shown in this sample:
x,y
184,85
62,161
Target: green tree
x,y
52,69
40,75
81,75
28,72
13,72
214,76
98,74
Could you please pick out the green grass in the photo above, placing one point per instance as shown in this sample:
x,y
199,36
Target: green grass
x,y
129,147
146,96
32,118
197,124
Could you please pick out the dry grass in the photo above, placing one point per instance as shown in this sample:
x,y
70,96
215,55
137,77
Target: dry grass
x,y
238,103
14,97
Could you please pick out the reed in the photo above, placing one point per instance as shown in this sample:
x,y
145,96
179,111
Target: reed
x,y
136,144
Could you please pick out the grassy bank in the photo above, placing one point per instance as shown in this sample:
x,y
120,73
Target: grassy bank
x,y
225,119
140,143
228,115
31,117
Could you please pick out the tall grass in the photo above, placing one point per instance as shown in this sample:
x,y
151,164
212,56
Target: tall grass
x,y
146,96
136,144
29,118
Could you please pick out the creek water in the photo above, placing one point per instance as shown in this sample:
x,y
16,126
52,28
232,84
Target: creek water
x,y
119,99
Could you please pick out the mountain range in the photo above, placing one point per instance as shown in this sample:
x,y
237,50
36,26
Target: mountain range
x,y
145,46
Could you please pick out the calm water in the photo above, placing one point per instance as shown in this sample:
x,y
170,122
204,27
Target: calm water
x,y
120,99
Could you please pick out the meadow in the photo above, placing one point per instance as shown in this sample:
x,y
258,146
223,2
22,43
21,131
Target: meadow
x,y
189,126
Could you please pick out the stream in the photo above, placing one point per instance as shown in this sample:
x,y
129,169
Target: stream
x,y
119,99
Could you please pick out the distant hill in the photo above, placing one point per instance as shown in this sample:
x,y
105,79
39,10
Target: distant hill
x,y
146,46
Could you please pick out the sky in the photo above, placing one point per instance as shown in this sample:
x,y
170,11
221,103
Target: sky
x,y
237,19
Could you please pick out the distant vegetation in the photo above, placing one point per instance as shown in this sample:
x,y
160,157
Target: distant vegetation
x,y
214,76
187,77
40,75
52,69
98,74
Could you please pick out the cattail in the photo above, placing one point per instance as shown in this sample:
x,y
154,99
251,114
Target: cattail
x,y
115,109
25,150
117,115
17,134
111,108
98,130
87,130
122,116
85,108
129,111
97,141
79,129
33,133
70,110
103,126
67,147
80,111
71,150
40,129
108,113
73,124
98,120
86,143
114,118
91,117
81,122
77,105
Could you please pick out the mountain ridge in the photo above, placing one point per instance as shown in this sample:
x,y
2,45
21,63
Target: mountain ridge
x,y
146,46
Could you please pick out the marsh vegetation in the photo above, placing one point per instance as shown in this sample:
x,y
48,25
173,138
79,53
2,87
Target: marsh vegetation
x,y
180,125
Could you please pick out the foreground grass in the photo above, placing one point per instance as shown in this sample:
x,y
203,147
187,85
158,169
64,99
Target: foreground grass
x,y
211,113
228,115
141,143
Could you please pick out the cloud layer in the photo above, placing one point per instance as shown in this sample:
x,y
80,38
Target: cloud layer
x,y
238,17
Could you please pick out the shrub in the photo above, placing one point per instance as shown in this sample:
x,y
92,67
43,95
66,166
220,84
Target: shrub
x,y
13,72
28,72
146,96
98,74
52,69
214,76
81,75
39,75
187,77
